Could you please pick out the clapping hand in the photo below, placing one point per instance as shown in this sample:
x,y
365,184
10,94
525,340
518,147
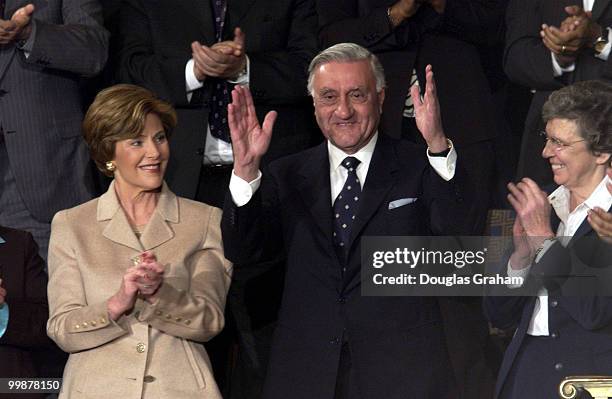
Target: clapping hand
x,y
250,140
532,225
427,113
18,27
144,277
149,283
576,32
222,60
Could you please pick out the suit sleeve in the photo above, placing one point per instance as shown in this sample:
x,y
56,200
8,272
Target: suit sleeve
x,y
74,324
141,62
289,64
78,45
195,314
28,315
252,232
526,60
343,21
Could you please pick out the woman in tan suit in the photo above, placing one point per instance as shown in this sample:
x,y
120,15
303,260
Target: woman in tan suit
x,y
137,277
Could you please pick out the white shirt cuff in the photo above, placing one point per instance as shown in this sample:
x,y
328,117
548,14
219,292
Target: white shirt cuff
x,y
444,166
191,82
605,53
558,70
510,272
241,190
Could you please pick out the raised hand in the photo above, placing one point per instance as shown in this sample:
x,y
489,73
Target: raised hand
x,y
18,27
427,113
250,140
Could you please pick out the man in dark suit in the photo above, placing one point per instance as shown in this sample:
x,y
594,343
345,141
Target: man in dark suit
x,y
45,49
23,287
407,35
191,51
331,342
548,59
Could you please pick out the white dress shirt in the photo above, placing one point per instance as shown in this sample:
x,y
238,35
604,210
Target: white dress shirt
x,y
216,151
570,222
242,191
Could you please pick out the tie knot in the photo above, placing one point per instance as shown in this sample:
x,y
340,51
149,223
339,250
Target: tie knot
x,y
350,163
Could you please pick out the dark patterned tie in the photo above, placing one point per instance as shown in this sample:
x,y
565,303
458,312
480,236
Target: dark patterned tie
x,y
345,208
217,119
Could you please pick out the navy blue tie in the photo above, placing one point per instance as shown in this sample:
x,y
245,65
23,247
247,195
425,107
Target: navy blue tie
x,y
345,208
217,119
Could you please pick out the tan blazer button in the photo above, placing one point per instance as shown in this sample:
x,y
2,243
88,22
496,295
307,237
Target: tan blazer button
x,y
178,319
188,322
140,348
102,320
84,324
93,323
77,326
148,378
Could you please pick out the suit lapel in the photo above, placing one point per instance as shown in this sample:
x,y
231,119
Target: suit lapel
x,y
314,187
599,7
119,230
202,12
6,56
158,230
380,179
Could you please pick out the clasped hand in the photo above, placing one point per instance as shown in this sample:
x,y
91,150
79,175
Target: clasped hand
x,y
222,60
143,278
576,32
18,27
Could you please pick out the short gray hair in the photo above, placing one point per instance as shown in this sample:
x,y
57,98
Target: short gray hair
x,y
589,105
346,52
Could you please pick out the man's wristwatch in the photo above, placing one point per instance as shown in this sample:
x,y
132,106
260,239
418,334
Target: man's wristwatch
x,y
600,43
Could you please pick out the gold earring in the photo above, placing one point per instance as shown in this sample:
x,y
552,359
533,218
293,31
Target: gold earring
x,y
110,166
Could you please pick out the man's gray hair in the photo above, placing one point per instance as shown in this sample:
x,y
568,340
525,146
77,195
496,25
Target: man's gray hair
x,y
346,52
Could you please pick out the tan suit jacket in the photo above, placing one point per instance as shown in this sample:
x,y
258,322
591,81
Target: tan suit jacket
x,y
152,352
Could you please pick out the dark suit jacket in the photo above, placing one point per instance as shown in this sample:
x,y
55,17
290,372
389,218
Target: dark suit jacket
x,y
40,103
450,43
397,344
280,42
580,327
24,278
528,62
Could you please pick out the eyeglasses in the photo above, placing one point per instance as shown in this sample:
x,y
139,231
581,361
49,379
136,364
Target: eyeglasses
x,y
557,144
